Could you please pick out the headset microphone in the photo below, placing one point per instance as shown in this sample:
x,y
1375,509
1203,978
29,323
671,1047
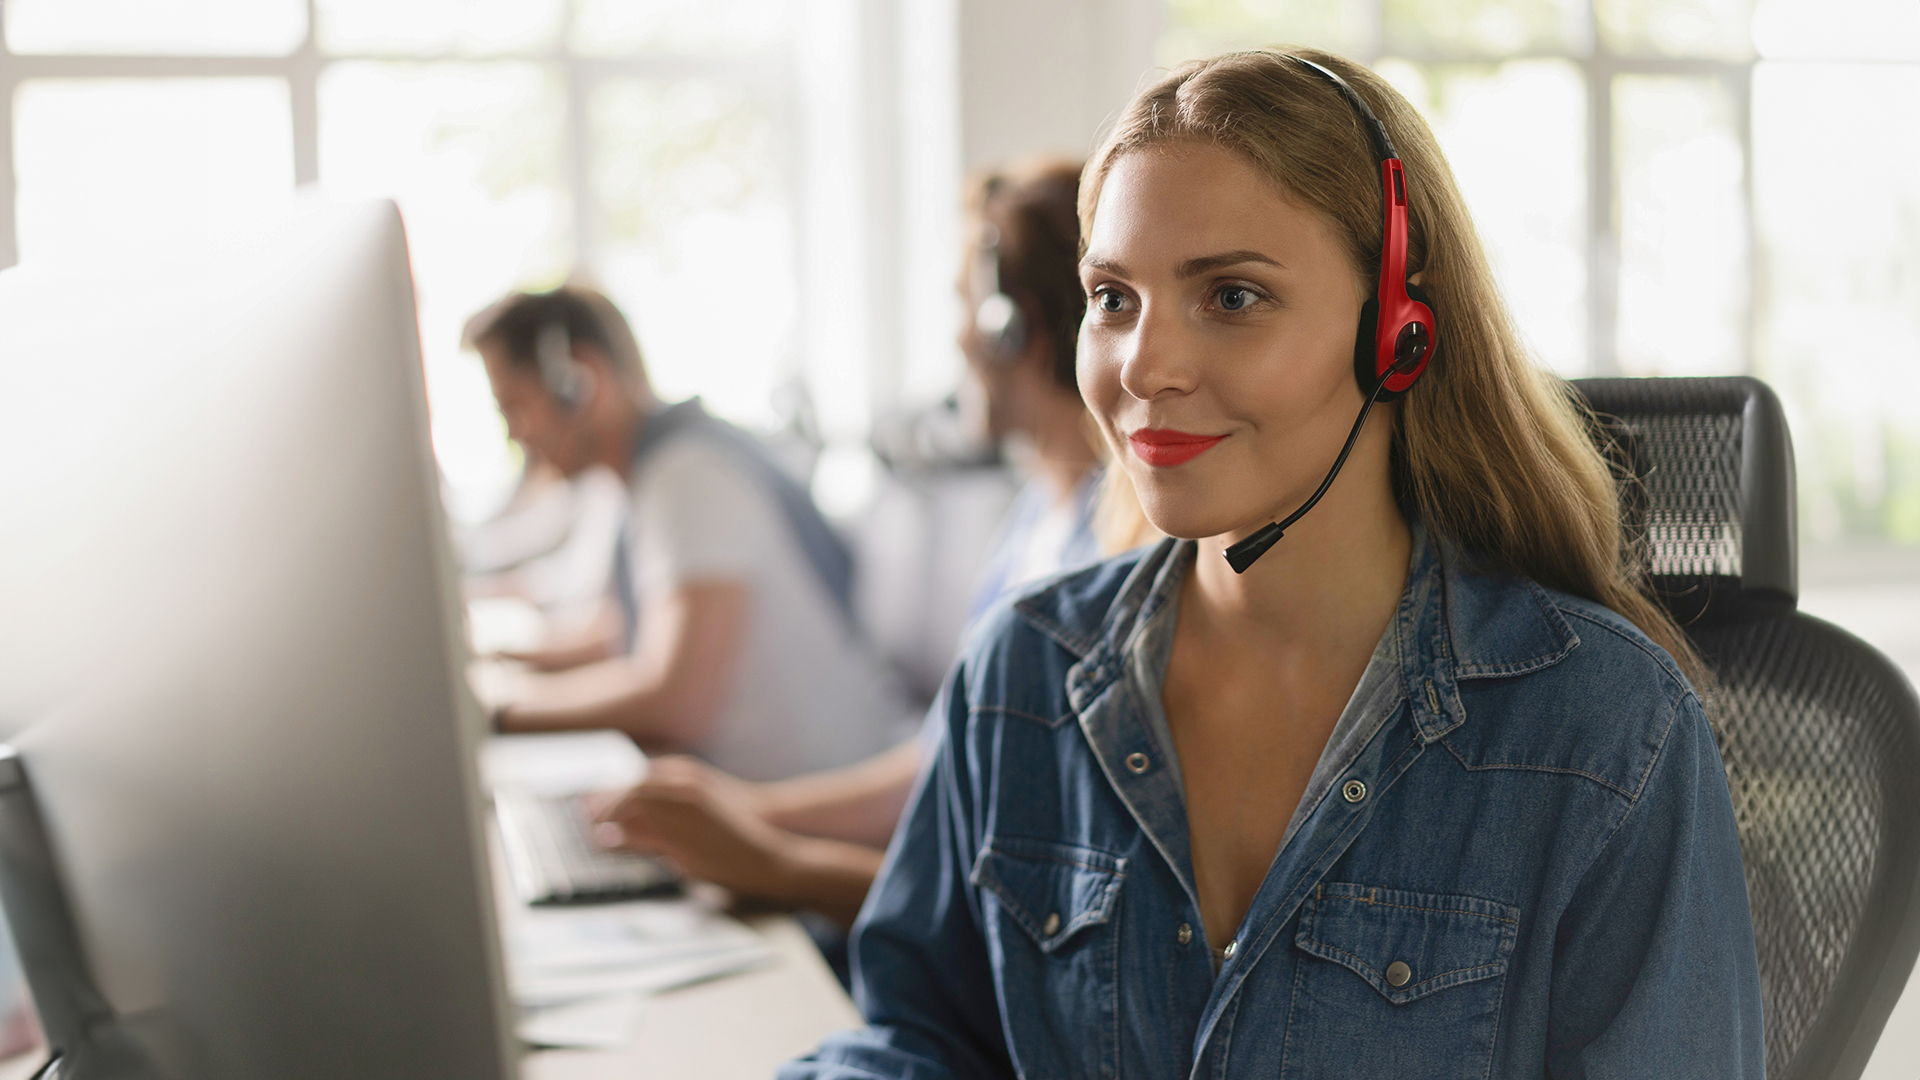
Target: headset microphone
x,y
1397,334
1243,554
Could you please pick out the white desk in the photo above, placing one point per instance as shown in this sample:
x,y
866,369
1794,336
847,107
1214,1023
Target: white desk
x,y
739,1027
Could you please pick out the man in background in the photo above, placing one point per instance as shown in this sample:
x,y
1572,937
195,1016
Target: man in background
x,y
737,641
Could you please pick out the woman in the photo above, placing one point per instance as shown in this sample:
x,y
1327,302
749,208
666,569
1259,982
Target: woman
x,y
1422,793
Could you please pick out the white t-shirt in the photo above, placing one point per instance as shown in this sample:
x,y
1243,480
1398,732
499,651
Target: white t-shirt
x,y
805,694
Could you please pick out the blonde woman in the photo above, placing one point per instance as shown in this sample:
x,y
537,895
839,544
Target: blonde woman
x,y
1426,791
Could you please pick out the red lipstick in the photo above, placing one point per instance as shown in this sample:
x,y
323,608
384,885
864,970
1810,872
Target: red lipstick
x,y
1166,447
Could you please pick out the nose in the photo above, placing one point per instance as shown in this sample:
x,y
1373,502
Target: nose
x,y
1157,355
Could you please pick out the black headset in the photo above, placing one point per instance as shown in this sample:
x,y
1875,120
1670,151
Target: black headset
x,y
1397,335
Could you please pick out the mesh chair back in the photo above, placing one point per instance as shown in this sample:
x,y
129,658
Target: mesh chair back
x,y
1819,733
1712,493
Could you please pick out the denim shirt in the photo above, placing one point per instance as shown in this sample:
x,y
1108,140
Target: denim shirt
x,y
1517,859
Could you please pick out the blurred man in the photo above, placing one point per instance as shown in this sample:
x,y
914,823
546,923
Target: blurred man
x,y
738,638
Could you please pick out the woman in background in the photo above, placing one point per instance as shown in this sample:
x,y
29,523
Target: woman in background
x,y
1423,791
816,841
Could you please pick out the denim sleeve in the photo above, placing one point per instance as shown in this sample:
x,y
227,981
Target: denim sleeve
x,y
921,972
1655,972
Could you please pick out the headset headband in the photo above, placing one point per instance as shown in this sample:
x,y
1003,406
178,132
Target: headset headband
x,y
1376,131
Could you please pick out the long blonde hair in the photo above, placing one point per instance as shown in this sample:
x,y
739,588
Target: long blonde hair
x,y
1495,453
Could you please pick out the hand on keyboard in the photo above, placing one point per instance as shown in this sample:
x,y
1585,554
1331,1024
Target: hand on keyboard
x,y
704,822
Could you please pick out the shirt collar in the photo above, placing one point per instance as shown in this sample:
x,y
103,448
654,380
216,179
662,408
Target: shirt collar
x,y
1459,619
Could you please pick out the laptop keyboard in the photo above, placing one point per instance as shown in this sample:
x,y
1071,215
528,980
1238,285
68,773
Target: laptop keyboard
x,y
552,858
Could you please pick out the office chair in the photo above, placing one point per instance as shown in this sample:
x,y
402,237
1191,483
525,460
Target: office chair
x,y
1820,733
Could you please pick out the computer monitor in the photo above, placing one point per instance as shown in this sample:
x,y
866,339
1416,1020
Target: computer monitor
x,y
230,660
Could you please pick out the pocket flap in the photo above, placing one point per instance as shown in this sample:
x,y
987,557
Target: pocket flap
x,y
1052,891
1442,940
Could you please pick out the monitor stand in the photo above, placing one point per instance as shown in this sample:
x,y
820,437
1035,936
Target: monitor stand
x,y
85,1039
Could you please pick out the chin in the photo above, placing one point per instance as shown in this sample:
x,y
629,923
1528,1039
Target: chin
x,y
1187,512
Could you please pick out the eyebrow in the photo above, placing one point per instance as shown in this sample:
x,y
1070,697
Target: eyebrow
x,y
1208,263
1195,267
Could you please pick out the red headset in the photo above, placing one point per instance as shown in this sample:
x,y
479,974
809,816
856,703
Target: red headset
x,y
1397,331
1397,335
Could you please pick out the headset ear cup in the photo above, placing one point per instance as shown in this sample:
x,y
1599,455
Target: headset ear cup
x,y
1419,295
1013,339
1364,340
1364,369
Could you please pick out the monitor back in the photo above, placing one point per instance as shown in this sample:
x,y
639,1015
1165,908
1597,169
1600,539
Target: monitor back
x,y
229,656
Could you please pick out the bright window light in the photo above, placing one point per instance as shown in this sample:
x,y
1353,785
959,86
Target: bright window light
x,y
473,153
110,166
1534,229
1837,204
1492,27
1690,28
156,27
1837,29
723,27
435,27
1682,227
694,237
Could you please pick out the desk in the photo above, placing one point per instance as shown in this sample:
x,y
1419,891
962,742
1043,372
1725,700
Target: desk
x,y
739,1027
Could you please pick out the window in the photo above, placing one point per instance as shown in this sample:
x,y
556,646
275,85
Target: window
x,y
1679,187
645,146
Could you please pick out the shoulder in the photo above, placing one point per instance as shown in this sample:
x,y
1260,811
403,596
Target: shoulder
x,y
692,475
1607,709
684,453
1017,654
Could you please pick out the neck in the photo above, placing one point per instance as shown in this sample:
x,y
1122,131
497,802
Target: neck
x,y
1062,452
1332,581
616,428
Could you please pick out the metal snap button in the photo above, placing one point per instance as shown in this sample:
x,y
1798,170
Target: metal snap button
x,y
1053,927
1138,762
1184,934
1232,947
1353,790
1398,973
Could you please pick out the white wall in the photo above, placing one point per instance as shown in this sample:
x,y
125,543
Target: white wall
x,y
1045,76
982,82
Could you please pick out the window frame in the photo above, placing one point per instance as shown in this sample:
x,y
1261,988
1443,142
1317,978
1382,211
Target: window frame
x,y
1599,66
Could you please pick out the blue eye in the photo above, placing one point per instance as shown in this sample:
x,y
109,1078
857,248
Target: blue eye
x,y
1235,298
1110,301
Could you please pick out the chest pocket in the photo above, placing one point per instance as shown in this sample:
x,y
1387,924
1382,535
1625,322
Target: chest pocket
x,y
1051,923
1405,982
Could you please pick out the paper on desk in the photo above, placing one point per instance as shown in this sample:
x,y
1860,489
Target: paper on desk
x,y
557,987
596,1023
619,935
562,954
563,763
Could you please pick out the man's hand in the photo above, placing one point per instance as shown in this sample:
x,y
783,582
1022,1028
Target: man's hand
x,y
705,822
